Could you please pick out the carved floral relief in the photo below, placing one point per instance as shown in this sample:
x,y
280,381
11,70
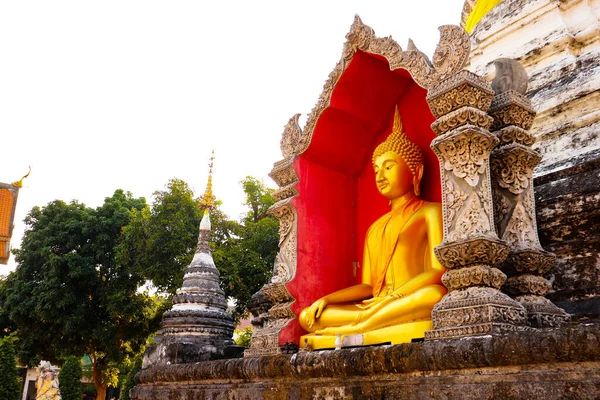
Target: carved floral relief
x,y
467,154
472,221
512,167
519,232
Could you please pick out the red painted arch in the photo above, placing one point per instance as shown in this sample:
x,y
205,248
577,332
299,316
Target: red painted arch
x,y
338,199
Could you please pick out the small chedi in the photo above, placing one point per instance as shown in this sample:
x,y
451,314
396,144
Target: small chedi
x,y
197,327
401,276
408,221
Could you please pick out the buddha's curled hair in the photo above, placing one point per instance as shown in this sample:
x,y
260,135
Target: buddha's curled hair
x,y
399,143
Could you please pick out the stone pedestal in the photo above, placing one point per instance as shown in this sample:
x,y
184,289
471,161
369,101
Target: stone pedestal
x,y
471,249
512,165
197,327
547,364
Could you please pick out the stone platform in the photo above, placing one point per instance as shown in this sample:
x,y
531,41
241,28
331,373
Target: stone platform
x,y
561,363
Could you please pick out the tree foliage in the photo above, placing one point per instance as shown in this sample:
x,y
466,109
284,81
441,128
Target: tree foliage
x,y
258,197
10,387
7,326
161,240
242,337
69,295
245,258
70,379
129,382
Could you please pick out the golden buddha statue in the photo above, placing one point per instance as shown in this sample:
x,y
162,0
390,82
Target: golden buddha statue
x,y
401,276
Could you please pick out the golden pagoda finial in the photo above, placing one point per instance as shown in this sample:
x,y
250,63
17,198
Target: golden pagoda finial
x,y
19,184
208,199
399,143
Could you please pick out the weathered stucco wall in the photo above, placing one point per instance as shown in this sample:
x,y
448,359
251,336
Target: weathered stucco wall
x,y
558,42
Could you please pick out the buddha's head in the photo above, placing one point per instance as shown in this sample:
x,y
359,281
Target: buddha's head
x,y
398,163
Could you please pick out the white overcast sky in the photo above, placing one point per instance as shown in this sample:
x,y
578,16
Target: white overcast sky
x,y
102,95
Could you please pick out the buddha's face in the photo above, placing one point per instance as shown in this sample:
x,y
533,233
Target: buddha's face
x,y
392,175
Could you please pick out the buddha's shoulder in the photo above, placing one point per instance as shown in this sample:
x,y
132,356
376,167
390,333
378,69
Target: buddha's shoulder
x,y
431,209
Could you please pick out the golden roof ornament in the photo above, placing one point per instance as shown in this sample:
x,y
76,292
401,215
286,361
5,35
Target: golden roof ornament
x,y
19,183
399,143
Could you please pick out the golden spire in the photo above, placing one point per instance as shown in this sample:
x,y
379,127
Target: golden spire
x,y
19,184
208,199
399,143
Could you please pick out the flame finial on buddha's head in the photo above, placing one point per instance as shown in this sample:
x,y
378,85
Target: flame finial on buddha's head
x,y
399,143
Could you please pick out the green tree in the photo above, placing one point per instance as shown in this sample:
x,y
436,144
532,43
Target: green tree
x,y
246,259
129,382
7,326
69,295
242,337
258,197
70,379
10,388
161,240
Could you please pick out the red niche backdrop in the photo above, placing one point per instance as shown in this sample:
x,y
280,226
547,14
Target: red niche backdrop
x,y
338,199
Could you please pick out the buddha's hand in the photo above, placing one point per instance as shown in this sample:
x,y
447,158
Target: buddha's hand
x,y
315,311
368,303
379,301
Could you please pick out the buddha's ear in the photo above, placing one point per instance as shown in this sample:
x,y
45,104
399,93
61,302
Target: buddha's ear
x,y
417,179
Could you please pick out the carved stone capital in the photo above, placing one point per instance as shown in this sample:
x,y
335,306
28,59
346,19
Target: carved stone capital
x,y
474,251
277,293
460,117
477,275
283,173
512,166
533,261
526,284
285,192
511,108
465,89
514,134
465,152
